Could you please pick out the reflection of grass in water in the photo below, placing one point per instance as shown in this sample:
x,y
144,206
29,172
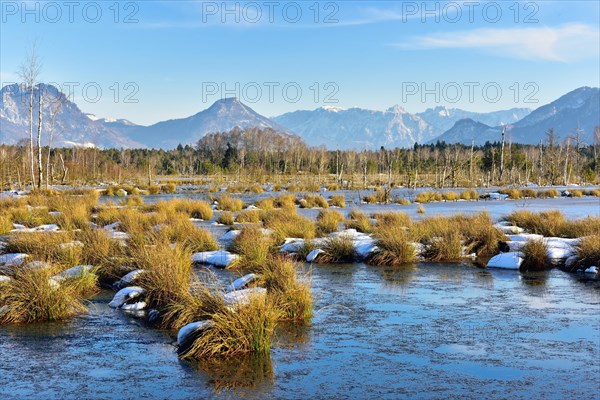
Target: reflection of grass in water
x,y
398,276
402,276
483,278
249,371
454,275
534,278
291,334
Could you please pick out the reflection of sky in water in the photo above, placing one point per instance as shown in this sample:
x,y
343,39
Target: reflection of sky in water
x,y
431,329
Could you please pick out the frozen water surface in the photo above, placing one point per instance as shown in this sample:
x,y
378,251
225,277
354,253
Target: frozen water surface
x,y
428,330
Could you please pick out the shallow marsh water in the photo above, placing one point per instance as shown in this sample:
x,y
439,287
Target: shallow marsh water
x,y
570,207
430,330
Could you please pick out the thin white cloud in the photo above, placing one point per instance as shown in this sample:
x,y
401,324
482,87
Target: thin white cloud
x,y
565,43
342,16
372,15
8,76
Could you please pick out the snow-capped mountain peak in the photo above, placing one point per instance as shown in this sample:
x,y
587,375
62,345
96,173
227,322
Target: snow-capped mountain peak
x,y
576,109
396,109
332,126
442,111
222,116
357,127
332,108
93,117
72,127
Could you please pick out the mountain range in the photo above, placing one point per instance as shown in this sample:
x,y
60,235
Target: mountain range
x,y
222,116
443,118
72,127
359,128
333,127
579,109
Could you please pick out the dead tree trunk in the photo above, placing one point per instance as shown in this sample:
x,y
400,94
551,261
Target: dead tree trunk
x,y
502,154
39,143
471,162
65,170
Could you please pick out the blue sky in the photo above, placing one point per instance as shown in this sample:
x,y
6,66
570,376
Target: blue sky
x,y
175,58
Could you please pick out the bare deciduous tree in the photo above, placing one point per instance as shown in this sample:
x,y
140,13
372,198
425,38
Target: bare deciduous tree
x,y
502,152
39,137
54,110
29,72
